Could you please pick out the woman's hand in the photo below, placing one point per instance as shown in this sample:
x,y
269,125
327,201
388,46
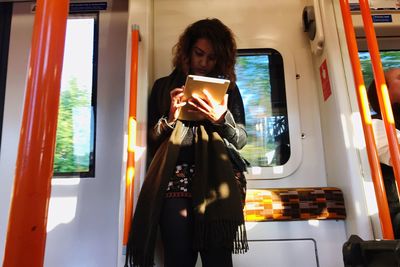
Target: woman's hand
x,y
176,104
209,107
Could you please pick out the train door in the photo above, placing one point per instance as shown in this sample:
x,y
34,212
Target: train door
x,y
82,225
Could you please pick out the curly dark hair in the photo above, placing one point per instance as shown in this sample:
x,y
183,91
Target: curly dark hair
x,y
222,40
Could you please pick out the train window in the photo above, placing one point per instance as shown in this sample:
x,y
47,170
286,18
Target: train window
x,y
267,82
389,58
75,142
261,81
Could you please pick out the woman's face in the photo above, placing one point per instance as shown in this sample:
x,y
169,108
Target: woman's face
x,y
393,82
202,58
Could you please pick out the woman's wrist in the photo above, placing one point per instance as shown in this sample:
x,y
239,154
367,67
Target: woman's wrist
x,y
168,122
221,120
163,126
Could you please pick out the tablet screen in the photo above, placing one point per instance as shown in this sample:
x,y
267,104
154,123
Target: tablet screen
x,y
196,84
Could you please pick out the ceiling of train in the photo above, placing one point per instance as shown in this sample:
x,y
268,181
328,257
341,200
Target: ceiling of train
x,y
72,1
109,3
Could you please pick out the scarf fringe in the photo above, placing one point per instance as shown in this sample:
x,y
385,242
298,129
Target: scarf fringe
x,y
231,234
136,258
240,244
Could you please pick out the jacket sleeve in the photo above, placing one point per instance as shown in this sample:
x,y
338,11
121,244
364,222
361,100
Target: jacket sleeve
x,y
157,109
233,127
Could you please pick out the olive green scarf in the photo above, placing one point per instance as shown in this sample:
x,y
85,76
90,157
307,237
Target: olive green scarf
x,y
216,199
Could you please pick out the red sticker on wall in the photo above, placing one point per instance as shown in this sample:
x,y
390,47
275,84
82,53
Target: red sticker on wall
x,y
326,84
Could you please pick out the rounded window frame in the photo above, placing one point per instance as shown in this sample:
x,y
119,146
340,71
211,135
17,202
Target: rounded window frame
x,y
295,139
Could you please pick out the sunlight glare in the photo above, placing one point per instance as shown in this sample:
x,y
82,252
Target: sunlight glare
x,y
62,210
78,63
224,190
255,170
139,152
386,100
314,223
365,109
66,181
132,126
370,198
278,169
183,213
224,157
345,131
250,225
358,139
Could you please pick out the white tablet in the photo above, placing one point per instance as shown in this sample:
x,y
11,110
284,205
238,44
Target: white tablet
x,y
196,84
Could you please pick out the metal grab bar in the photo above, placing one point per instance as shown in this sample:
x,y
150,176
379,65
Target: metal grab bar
x,y
26,233
382,90
373,159
130,166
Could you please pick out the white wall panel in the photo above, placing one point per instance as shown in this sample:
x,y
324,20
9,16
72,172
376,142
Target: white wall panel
x,y
83,213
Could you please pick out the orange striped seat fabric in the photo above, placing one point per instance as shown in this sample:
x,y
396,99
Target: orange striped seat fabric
x,y
285,204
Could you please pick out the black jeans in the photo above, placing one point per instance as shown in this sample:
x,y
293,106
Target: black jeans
x,y
392,197
176,224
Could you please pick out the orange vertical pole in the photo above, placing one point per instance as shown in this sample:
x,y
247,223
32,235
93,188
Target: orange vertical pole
x,y
26,233
130,166
382,91
380,193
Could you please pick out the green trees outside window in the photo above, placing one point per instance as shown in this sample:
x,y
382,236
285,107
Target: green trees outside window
x,y
261,83
74,155
390,59
73,140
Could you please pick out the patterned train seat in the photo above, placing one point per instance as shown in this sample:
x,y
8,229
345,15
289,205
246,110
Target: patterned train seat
x,y
284,204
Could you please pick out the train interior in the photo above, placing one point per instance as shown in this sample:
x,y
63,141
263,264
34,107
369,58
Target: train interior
x,y
303,120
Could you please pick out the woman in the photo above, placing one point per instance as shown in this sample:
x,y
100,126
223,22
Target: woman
x,y
191,188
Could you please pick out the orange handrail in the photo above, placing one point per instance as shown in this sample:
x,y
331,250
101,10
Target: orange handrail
x,y
130,166
26,233
373,159
382,91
